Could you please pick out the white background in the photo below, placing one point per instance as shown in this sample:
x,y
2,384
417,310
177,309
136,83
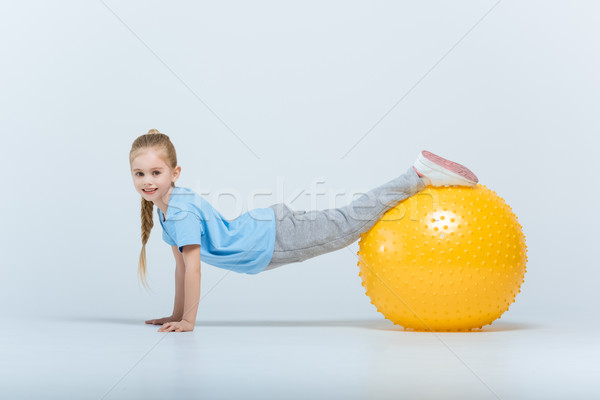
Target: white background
x,y
256,95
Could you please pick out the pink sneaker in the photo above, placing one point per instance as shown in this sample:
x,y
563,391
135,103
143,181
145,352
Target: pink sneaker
x,y
438,171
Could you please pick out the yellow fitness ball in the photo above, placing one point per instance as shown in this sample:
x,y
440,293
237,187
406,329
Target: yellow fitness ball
x,y
445,259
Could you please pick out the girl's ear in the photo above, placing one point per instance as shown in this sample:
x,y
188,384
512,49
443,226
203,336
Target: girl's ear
x,y
176,172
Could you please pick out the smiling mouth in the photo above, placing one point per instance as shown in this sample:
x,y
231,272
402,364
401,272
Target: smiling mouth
x,y
149,191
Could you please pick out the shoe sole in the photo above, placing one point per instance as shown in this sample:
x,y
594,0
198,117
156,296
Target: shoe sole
x,y
451,166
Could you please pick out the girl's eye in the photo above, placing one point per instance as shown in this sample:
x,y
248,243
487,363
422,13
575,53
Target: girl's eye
x,y
141,173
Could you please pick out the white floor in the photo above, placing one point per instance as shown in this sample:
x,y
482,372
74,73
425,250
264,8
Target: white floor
x,y
99,358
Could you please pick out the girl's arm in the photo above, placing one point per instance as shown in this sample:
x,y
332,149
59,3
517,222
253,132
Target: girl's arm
x,y
191,291
177,314
179,284
191,257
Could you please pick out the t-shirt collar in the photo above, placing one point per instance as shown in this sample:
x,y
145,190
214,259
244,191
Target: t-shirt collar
x,y
169,207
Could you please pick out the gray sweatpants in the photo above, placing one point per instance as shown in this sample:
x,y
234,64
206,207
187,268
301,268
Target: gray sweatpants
x,y
300,235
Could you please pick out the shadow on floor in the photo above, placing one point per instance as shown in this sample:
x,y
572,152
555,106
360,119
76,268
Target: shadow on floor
x,y
386,325
497,326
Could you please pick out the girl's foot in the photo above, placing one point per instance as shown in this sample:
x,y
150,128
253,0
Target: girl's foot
x,y
438,171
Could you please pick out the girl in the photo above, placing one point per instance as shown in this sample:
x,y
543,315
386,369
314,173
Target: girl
x,y
260,239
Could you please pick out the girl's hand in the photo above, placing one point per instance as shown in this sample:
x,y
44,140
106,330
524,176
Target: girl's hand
x,y
162,320
181,326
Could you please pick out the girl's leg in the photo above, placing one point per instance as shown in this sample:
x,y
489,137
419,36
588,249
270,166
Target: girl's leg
x,y
301,235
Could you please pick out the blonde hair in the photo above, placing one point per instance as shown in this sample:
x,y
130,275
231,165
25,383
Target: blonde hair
x,y
161,143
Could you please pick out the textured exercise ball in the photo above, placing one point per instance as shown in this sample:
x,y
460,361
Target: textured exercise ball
x,y
445,259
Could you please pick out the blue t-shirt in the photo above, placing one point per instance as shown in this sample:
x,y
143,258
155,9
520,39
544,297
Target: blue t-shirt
x,y
244,245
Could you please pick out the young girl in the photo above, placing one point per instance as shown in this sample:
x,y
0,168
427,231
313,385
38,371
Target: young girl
x,y
260,239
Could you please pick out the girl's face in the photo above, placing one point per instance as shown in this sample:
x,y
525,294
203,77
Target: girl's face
x,y
150,172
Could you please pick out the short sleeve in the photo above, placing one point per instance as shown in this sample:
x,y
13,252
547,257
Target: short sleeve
x,y
186,228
